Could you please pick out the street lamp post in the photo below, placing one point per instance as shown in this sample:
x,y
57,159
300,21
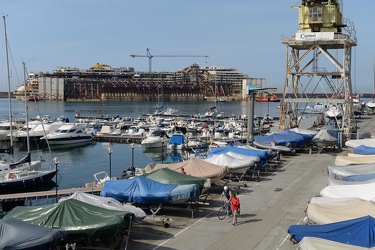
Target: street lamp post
x,y
132,145
110,162
56,161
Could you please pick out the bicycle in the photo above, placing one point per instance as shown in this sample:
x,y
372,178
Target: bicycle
x,y
225,210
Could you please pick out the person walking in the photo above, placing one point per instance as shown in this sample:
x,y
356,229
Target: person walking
x,y
235,202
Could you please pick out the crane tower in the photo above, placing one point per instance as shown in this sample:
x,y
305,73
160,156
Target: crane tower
x,y
150,56
318,61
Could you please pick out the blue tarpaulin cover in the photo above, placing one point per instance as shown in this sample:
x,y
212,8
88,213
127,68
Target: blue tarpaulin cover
x,y
359,177
364,150
357,232
292,138
144,190
177,139
263,156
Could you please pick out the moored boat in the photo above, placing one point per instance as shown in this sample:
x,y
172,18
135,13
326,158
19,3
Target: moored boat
x,y
68,134
25,180
272,98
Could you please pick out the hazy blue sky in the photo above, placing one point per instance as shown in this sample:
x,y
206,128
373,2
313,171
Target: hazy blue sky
x,y
244,34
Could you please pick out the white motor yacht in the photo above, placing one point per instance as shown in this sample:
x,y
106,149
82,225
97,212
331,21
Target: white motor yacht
x,y
68,134
156,139
5,129
39,130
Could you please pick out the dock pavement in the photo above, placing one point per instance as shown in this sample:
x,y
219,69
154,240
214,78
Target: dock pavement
x,y
268,208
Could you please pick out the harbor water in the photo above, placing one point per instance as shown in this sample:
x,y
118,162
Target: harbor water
x,y
77,165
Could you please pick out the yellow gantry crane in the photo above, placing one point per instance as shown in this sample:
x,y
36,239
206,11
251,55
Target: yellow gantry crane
x,y
150,56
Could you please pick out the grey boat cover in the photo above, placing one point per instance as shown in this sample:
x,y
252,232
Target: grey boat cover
x,y
351,174
16,234
324,138
108,203
352,144
313,243
329,212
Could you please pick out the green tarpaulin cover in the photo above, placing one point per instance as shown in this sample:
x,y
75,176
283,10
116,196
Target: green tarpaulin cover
x,y
169,176
77,218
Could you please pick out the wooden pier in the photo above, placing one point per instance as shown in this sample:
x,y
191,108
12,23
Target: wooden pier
x,y
118,138
9,201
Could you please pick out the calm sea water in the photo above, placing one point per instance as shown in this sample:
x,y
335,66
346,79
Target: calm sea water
x,y
79,164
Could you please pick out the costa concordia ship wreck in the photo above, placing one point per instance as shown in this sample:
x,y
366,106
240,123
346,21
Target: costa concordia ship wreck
x,y
104,83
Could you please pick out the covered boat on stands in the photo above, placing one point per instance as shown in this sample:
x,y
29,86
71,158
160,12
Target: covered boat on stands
x,y
364,150
287,139
342,160
142,190
169,176
16,234
235,165
263,155
352,172
107,203
332,211
323,139
195,167
362,191
356,232
352,144
94,222
314,243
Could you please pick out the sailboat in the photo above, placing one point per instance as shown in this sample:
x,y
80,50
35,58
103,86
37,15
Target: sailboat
x,y
371,104
23,174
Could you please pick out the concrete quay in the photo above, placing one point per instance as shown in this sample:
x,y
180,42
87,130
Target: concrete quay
x,y
268,208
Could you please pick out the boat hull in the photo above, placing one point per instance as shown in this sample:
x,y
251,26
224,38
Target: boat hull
x,y
69,141
27,183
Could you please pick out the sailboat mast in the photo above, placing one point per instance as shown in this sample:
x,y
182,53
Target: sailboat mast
x,y
26,108
9,97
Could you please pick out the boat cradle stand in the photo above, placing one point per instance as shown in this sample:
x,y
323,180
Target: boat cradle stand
x,y
191,207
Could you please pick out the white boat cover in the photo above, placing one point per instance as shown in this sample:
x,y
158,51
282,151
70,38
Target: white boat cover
x,y
313,243
362,191
243,157
195,167
358,155
339,211
342,160
332,182
334,201
352,144
304,131
235,165
108,203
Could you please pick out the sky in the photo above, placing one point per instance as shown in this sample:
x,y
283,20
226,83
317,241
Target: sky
x,y
242,34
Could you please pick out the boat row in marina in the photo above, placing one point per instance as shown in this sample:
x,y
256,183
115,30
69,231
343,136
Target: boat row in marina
x,y
342,217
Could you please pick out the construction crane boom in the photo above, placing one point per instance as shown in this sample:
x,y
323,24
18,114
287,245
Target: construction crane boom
x,y
150,56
